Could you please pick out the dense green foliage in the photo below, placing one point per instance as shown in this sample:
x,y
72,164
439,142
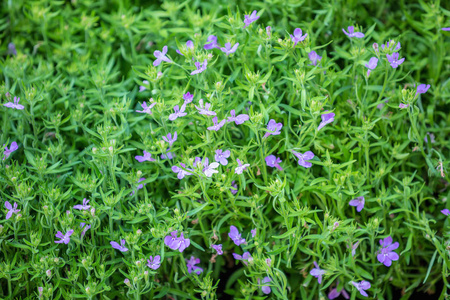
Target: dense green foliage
x,y
78,66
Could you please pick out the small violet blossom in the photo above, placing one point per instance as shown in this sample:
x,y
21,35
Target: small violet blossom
x,y
358,203
200,67
120,247
371,65
11,209
189,45
218,248
178,112
253,232
168,155
7,152
228,49
446,29
188,97
217,125
140,186
249,19
176,243
246,257
83,206
204,110
180,171
142,87
265,288
361,287
161,56
333,294
432,138
239,119
85,229
64,238
154,262
240,168
268,31
221,156
326,119
273,128
298,37
235,236
386,255
401,105
422,88
351,32
191,265
391,42
273,162
14,104
317,272
354,247
446,212
146,109
394,61
314,57
234,187
210,169
212,40
302,158
169,139
12,49
147,157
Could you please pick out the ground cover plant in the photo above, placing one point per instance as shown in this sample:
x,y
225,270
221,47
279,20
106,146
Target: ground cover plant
x,y
224,149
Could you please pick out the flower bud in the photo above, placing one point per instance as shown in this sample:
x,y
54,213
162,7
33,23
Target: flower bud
x,y
49,273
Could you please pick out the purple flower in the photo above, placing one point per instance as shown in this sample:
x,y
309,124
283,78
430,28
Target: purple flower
x,y
386,255
184,243
394,61
212,40
120,247
249,19
210,169
147,157
216,125
140,186
302,158
204,110
235,236
432,138
371,65
268,29
354,247
191,265
358,203
218,248
228,49
161,56
146,109
234,188
317,272
15,105
188,97
273,162
351,32
85,229
362,286
13,147
239,119
200,67
168,155
11,209
314,57
326,119
391,42
143,88
178,112
12,49
446,28
172,241
265,288
273,128
246,257
180,171
297,37
83,206
169,138
154,263
253,231
64,238
444,211
240,168
401,105
422,88
189,45
221,156
334,294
